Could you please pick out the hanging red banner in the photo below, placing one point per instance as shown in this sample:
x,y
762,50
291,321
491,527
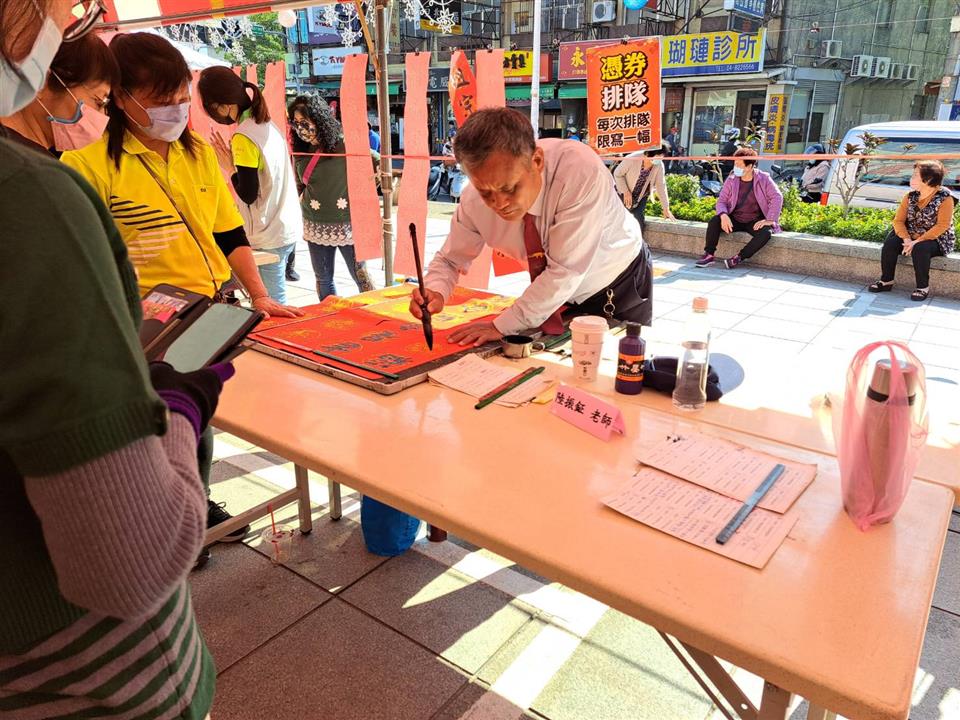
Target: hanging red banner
x,y
490,81
274,92
362,198
462,87
623,96
416,164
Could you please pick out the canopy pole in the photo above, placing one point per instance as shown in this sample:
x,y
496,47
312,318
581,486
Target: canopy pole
x,y
366,36
386,144
535,79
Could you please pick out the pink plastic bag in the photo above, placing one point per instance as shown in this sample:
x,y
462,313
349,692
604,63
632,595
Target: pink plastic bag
x,y
880,431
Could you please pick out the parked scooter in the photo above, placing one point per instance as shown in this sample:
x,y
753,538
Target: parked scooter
x,y
811,183
710,182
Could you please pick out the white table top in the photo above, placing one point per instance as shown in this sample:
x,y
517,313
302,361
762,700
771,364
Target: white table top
x,y
837,616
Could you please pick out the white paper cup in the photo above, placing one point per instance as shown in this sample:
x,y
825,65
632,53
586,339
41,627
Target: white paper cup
x,y
588,329
586,359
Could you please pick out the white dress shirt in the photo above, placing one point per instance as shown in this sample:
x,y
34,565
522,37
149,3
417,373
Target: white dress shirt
x,y
588,236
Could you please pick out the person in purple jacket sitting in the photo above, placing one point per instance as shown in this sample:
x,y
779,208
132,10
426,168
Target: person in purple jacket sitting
x,y
749,202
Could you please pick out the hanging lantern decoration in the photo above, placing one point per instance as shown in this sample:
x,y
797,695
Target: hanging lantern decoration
x,y
287,18
635,4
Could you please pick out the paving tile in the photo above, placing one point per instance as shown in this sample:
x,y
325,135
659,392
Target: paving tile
x,y
808,300
937,686
947,595
748,292
798,313
475,702
242,600
622,669
734,304
940,355
337,663
937,335
771,328
688,281
938,317
462,620
955,521
674,295
747,348
719,319
817,285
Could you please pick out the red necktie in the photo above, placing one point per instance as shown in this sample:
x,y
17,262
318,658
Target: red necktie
x,y
537,263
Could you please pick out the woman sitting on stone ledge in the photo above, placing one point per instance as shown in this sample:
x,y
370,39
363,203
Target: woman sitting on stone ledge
x,y
922,229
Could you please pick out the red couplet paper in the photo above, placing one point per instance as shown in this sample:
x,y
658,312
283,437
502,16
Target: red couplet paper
x,y
252,74
490,88
462,87
274,92
362,190
200,122
416,164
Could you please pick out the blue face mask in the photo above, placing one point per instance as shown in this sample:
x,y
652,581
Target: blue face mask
x,y
19,85
738,171
167,122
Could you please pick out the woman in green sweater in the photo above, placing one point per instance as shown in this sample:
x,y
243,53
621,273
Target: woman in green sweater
x,y
96,619
324,198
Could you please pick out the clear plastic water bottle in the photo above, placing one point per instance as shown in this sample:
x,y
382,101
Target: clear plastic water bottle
x,y
690,392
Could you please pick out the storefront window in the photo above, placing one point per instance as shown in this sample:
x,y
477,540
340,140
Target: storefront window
x,y
712,114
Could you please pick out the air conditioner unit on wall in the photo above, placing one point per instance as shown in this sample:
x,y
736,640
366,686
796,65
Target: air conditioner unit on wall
x,y
910,72
862,66
604,11
830,48
881,67
896,71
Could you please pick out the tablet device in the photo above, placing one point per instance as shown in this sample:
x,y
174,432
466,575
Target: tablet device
x,y
213,337
167,311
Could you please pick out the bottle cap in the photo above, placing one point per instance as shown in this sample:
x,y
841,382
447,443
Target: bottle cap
x,y
633,329
700,304
880,382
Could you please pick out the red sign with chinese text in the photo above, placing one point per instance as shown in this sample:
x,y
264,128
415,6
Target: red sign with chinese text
x,y
462,87
573,58
623,96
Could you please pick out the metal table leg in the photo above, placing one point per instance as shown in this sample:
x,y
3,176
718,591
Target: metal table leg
x,y
336,509
303,499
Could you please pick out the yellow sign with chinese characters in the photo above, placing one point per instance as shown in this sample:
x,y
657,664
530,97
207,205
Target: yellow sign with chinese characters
x,y
517,63
718,53
776,119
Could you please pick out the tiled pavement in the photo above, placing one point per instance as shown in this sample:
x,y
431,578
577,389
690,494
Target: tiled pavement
x,y
451,631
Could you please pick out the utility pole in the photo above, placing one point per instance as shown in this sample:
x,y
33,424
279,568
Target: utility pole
x,y
386,147
949,90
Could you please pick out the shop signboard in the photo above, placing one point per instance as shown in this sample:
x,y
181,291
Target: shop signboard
x,y
518,66
747,8
776,118
329,61
623,96
716,53
438,79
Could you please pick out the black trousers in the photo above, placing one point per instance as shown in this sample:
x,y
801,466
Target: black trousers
x,y
921,254
632,294
759,238
639,211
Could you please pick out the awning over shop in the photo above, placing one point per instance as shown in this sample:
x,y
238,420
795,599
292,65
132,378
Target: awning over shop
x,y
569,92
522,92
394,88
333,86
766,76
149,13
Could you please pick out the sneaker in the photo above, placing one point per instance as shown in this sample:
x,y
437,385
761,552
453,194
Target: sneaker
x,y
202,559
705,260
216,514
293,275
732,262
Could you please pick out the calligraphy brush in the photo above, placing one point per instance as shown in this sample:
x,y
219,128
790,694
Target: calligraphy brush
x,y
427,323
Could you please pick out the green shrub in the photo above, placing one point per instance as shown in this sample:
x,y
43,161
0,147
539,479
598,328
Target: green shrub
x,y
870,224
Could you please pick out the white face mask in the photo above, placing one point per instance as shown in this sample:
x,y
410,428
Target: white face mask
x,y
738,171
167,122
19,85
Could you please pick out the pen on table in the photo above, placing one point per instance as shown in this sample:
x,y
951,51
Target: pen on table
x,y
499,392
425,319
336,358
737,520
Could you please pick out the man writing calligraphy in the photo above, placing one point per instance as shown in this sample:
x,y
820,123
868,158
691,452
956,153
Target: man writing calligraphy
x,y
552,204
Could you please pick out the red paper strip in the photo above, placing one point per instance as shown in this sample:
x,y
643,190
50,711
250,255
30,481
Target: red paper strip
x,y
361,188
490,81
252,74
274,92
479,273
416,170
506,265
200,122
462,87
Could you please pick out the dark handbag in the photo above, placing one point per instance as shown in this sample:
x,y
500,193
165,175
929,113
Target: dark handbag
x,y
660,374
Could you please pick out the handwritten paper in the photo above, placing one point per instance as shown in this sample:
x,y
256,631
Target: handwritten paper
x,y
697,515
476,377
728,468
590,414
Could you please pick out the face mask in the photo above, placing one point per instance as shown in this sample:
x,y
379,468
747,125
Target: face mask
x,y
738,171
20,85
167,122
308,135
915,183
86,127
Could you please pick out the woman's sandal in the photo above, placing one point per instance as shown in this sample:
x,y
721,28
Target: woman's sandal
x,y
919,295
879,286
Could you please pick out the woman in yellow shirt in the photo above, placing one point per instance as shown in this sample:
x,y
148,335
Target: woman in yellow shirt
x,y
162,182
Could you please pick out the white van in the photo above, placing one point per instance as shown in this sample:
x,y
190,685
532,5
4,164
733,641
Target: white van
x,y
886,181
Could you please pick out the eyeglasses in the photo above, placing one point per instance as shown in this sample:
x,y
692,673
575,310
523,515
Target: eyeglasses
x,y
87,13
302,125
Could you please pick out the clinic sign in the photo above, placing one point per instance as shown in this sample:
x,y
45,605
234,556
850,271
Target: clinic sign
x,y
718,53
747,8
623,96
518,66
776,119
329,61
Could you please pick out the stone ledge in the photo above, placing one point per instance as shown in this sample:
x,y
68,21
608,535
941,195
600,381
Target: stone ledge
x,y
855,261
